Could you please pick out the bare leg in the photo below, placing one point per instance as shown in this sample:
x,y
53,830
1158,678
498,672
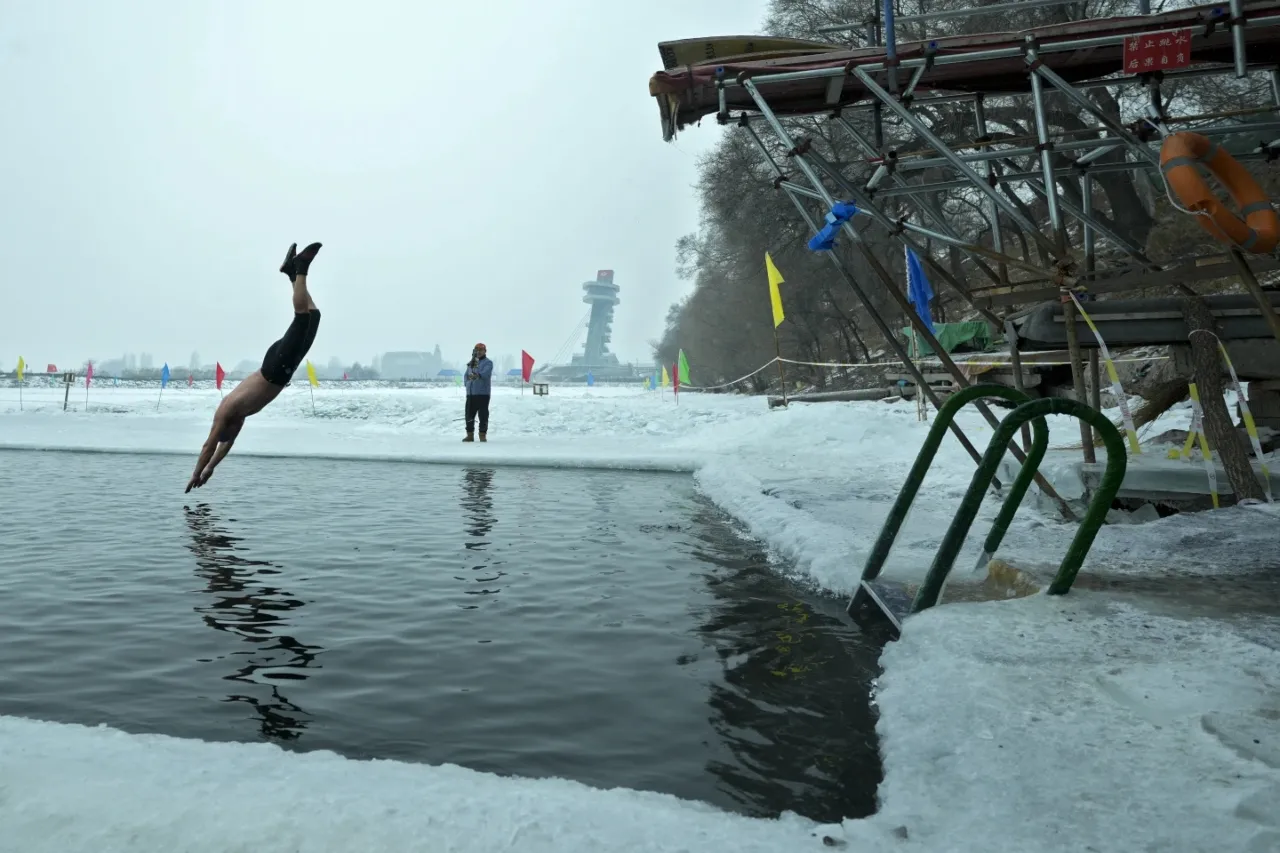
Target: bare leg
x,y
295,267
302,302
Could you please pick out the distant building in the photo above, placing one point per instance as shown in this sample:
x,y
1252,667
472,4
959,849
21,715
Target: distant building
x,y
408,365
145,361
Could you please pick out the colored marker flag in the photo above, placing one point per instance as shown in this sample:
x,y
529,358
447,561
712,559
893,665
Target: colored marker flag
x,y
164,376
919,293
683,372
775,296
311,375
219,374
191,379
666,378
526,365
344,376
88,375
675,377
22,366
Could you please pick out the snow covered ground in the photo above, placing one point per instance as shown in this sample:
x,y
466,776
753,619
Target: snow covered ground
x,y
1105,720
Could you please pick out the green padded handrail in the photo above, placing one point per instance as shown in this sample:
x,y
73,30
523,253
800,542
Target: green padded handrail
x,y
1112,477
898,512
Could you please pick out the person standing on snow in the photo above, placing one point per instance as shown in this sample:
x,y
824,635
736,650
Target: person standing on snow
x,y
478,377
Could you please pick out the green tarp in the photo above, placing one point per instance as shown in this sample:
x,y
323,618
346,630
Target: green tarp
x,y
972,336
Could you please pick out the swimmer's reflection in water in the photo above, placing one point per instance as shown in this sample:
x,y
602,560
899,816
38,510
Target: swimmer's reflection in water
x,y
245,605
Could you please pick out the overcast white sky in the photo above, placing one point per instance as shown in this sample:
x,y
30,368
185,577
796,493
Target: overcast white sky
x,y
467,166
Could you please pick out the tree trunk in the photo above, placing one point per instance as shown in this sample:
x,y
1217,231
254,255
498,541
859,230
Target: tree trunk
x,y
1217,420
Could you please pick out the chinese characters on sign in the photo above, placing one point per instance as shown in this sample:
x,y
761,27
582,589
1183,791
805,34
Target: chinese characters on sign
x,y
1157,51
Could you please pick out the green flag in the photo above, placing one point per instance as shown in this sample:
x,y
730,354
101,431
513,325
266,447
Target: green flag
x,y
684,369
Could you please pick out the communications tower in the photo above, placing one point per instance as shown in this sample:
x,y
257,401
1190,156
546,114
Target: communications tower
x,y
602,296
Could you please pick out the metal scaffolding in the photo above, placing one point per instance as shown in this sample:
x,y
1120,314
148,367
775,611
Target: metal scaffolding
x,y
886,79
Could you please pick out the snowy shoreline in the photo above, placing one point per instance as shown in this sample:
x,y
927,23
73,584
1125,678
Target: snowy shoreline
x,y
1086,722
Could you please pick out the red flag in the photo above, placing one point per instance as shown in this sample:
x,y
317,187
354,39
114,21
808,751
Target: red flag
x,y
53,368
190,379
344,376
675,378
526,365
88,375
219,374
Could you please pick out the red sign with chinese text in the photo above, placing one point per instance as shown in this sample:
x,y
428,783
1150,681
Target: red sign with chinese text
x,y
1162,51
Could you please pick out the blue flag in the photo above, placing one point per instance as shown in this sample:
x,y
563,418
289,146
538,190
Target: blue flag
x,y
825,240
919,293
164,375
591,380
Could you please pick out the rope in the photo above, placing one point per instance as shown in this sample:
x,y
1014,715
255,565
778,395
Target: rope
x,y
768,363
881,364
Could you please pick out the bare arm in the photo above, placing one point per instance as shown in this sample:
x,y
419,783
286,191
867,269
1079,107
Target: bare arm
x,y
216,447
206,453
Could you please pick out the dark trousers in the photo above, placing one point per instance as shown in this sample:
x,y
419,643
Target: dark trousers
x,y
478,404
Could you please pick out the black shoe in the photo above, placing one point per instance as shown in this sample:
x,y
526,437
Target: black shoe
x,y
302,261
288,266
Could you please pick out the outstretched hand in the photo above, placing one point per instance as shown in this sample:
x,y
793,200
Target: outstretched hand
x,y
199,479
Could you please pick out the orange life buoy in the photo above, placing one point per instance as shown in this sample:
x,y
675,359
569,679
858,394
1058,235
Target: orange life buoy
x,y
1181,155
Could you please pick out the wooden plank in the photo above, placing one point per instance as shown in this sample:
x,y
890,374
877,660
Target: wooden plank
x,y
1184,273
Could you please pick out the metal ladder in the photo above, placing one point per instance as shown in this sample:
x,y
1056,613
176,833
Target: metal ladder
x,y
892,603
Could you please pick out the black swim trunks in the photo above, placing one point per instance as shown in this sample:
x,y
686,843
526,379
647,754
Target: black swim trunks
x,y
284,356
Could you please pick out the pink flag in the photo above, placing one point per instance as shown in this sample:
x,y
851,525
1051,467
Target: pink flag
x,y
675,378
88,375
344,376
219,374
190,379
526,365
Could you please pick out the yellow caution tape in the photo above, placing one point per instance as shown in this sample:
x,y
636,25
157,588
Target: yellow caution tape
x,y
1192,432
1249,425
1198,418
1116,387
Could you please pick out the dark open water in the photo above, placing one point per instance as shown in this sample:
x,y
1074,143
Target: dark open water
x,y
608,627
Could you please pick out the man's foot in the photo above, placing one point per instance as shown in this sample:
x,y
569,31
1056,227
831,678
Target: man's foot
x,y
288,266
302,261
470,437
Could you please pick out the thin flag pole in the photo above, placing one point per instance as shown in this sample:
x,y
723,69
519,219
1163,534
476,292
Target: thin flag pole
x,y
782,377
312,389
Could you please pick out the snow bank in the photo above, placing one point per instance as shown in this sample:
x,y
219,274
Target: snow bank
x,y
73,788
1075,723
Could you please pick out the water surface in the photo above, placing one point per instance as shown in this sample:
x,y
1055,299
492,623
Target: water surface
x,y
603,626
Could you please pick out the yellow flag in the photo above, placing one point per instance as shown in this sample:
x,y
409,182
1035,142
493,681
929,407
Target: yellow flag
x,y
22,366
666,377
775,279
311,375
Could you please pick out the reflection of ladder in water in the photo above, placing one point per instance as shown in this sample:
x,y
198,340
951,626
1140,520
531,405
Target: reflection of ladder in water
x,y
566,349
879,602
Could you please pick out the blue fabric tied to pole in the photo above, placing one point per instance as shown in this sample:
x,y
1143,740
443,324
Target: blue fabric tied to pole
x,y
164,375
919,293
825,240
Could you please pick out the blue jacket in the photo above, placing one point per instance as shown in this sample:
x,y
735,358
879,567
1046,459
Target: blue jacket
x,y
479,378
